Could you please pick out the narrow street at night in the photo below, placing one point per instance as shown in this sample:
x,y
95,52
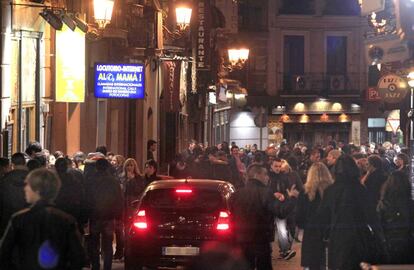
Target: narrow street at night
x,y
207,134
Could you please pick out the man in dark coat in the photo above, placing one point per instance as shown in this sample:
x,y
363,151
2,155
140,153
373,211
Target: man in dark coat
x,y
71,196
150,172
105,199
373,180
254,208
190,154
151,148
280,182
12,190
41,237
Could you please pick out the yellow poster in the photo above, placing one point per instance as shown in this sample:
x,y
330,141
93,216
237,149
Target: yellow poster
x,y
70,65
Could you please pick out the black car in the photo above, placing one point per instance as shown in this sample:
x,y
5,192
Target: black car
x,y
175,221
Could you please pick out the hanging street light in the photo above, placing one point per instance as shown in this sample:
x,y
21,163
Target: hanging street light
x,y
238,57
183,15
103,12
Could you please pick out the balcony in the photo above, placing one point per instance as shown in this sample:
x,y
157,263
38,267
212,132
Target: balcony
x,y
319,84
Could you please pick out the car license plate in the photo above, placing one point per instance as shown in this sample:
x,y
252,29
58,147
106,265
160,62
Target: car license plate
x,y
180,251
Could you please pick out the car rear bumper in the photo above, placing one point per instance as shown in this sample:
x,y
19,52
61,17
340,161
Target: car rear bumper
x,y
152,252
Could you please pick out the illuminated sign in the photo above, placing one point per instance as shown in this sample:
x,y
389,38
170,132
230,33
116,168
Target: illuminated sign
x,y
119,80
392,88
203,36
70,65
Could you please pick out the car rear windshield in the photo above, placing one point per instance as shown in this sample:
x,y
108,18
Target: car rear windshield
x,y
200,199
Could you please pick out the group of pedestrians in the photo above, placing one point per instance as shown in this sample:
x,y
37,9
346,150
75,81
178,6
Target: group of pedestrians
x,y
354,203
58,212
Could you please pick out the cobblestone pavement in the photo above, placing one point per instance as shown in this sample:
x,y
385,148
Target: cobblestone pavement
x,y
292,264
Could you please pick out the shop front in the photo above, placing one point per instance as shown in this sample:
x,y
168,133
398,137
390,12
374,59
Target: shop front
x,y
315,123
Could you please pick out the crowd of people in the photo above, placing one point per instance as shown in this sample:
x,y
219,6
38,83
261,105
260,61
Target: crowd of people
x,y
353,203
87,196
345,198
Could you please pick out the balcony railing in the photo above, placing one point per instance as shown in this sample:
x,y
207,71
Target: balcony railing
x,y
319,84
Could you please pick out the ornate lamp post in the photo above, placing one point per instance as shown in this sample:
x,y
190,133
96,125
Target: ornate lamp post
x,y
238,57
183,16
103,12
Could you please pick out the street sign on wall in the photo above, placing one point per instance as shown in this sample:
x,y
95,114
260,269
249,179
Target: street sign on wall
x,y
392,88
203,35
119,80
373,94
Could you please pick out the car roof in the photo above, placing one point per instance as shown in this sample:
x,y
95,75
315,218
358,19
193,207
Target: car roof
x,y
195,183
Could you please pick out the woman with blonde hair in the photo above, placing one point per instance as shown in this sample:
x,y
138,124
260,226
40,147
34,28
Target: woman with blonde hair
x,y
132,186
318,179
133,181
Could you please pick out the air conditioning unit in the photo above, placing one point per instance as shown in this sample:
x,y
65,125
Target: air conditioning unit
x,y
337,83
299,83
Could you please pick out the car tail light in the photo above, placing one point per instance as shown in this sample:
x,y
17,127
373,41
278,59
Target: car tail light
x,y
140,221
223,223
184,190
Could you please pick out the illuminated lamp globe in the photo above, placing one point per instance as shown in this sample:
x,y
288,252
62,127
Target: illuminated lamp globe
x,y
410,78
237,57
103,12
183,15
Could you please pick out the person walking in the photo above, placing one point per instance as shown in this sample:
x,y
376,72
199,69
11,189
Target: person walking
x,y
42,236
282,179
345,215
12,190
71,195
313,249
254,207
373,180
151,148
104,193
134,184
150,172
395,209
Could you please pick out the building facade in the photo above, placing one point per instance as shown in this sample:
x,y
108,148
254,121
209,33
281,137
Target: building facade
x,y
32,107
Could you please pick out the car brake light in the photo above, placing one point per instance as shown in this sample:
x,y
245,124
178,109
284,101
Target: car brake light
x,y
183,191
223,223
141,220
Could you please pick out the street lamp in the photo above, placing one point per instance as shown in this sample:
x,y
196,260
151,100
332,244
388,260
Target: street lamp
x,y
183,16
238,57
103,12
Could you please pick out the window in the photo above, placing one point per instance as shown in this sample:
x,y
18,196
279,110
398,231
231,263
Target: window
x,y
294,55
293,60
342,7
166,199
377,135
253,15
297,7
336,55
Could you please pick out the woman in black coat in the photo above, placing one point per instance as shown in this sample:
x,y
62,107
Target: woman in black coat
x,y
345,214
396,214
313,249
42,236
